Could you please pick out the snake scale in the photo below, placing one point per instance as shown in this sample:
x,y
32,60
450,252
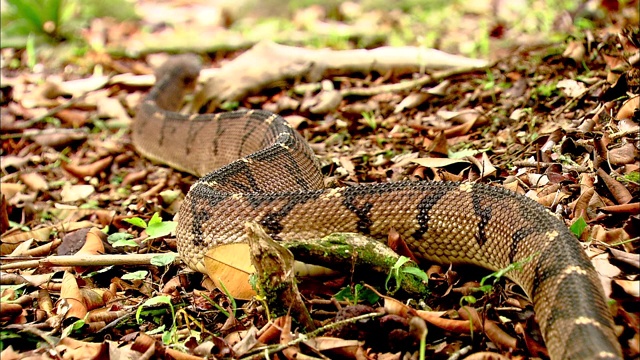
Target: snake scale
x,y
254,166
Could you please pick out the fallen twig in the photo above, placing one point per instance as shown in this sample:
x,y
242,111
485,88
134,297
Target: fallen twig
x,y
72,260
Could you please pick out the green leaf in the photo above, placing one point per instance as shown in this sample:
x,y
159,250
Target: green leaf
x,y
136,221
469,299
345,294
461,154
357,293
161,229
367,295
168,336
72,328
578,226
395,274
113,238
125,242
94,273
163,260
417,272
155,219
158,330
162,299
136,275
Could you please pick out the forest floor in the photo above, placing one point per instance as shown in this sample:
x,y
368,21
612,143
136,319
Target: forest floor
x,y
550,111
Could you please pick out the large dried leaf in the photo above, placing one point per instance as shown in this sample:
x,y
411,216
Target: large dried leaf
x,y
230,266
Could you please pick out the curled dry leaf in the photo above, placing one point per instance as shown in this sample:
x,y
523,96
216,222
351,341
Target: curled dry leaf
x,y
60,137
286,336
9,190
619,191
92,298
34,181
612,236
9,311
112,109
581,205
94,245
71,193
22,248
435,318
93,169
411,101
575,50
9,242
627,258
13,161
296,120
630,208
82,86
438,144
335,347
247,340
550,200
71,303
572,88
628,108
73,118
490,328
327,100
625,154
631,287
271,331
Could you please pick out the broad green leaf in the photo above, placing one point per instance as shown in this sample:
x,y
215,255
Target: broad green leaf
x,y
155,219
136,275
344,294
164,259
462,153
113,238
395,274
125,242
136,221
578,226
157,230
417,272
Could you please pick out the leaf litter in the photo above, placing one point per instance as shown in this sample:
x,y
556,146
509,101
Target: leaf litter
x,y
558,124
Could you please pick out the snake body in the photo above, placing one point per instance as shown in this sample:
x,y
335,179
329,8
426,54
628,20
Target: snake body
x,y
254,166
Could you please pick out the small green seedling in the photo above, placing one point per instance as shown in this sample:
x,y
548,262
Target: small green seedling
x,y
357,293
167,336
156,227
399,271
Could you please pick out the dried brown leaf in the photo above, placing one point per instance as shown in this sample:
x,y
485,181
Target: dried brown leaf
x,y
230,265
628,108
93,169
490,328
631,287
72,193
335,347
619,191
625,154
71,303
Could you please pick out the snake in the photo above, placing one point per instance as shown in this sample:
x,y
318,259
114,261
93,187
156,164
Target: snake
x,y
253,166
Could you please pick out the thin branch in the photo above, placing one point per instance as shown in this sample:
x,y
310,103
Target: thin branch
x,y
84,260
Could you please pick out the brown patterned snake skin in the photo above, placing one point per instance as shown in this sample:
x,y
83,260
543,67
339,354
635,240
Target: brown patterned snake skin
x,y
267,173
